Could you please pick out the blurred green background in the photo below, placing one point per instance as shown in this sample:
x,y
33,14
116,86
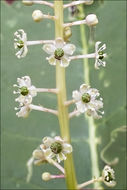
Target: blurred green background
x,y
21,136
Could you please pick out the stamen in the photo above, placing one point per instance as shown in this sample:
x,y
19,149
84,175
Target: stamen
x,y
15,85
16,108
16,92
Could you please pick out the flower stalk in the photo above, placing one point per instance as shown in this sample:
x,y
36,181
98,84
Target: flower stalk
x,y
90,182
54,91
62,109
28,2
37,42
92,55
40,108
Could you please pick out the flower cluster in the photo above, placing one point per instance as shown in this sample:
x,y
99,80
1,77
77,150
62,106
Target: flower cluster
x,y
86,101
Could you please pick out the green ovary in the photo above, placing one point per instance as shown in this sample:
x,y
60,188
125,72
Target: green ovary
x,y
86,98
24,90
56,147
59,53
20,44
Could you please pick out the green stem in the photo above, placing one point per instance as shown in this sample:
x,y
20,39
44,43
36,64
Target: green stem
x,y
91,124
62,109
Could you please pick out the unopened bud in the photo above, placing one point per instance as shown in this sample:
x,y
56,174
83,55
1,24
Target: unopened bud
x,y
67,33
91,20
37,15
27,2
46,176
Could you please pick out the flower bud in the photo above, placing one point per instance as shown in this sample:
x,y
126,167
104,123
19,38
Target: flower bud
x,y
46,176
91,20
67,33
27,2
37,15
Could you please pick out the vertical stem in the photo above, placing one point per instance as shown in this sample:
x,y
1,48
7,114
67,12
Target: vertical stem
x,y
62,109
91,124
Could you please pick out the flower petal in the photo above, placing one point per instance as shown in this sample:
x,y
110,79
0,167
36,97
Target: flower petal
x,y
32,91
51,60
76,95
24,112
58,138
20,99
48,153
94,114
103,47
81,107
64,61
96,65
60,157
48,141
69,49
84,88
97,104
67,148
97,46
93,93
49,48
27,81
59,43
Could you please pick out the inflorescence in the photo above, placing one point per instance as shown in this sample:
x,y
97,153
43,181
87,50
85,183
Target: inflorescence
x,y
87,99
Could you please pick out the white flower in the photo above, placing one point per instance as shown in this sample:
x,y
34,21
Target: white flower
x,y
55,148
25,89
59,51
86,101
108,176
100,55
20,43
24,110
